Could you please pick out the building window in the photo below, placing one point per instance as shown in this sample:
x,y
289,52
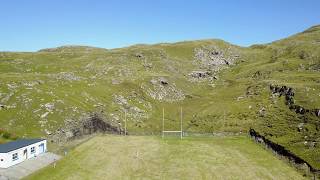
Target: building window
x,y
33,150
15,156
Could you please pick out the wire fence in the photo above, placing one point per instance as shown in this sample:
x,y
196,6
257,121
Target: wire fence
x,y
186,134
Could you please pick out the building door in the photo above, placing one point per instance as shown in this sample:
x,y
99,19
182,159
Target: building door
x,y
41,148
25,154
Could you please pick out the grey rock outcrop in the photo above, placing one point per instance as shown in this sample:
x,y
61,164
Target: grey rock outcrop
x,y
163,90
200,74
215,58
88,124
67,76
133,112
288,92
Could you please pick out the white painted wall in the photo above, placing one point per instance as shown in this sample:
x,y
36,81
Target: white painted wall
x,y
7,157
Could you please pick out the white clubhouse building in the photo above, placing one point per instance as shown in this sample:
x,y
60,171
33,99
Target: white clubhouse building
x,y
15,152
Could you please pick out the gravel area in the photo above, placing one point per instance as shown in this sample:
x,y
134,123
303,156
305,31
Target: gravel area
x,y
28,166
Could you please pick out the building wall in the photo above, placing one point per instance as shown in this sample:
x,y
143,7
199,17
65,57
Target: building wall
x,y
7,157
2,159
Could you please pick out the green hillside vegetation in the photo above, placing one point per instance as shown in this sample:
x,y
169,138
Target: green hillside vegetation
x,y
221,87
6,136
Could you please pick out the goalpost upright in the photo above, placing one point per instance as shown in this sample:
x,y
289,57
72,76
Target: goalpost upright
x,y
181,122
125,123
162,122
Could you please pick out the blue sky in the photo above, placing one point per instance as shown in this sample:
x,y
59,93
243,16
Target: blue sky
x,y
30,25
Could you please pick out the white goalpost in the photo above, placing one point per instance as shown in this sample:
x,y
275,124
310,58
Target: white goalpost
x,y
177,131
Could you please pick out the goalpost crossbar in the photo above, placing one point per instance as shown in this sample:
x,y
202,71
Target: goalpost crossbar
x,y
172,131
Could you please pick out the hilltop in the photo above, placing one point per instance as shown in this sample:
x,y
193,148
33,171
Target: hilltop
x,y
57,92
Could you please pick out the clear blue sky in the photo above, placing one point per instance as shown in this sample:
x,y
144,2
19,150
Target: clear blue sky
x,y
30,25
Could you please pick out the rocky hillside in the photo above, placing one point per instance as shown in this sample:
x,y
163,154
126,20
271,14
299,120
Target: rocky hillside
x,y
273,88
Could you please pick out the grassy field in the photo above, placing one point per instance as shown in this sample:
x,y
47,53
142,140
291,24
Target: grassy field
x,y
141,157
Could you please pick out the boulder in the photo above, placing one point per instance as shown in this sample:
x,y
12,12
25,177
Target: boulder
x,y
139,55
200,74
300,126
163,81
153,81
262,112
49,106
317,112
44,115
115,81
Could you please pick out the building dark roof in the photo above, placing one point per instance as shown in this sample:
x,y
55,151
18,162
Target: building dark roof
x,y
10,146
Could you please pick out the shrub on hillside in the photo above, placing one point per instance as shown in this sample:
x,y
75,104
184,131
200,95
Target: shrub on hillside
x,y
6,135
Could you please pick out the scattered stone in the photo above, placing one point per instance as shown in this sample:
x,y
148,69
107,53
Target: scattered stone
x,y
252,91
47,132
147,65
49,106
262,112
133,112
300,125
33,83
67,76
162,90
99,105
44,115
119,99
11,106
154,81
200,74
12,86
37,110
69,134
215,58
298,109
288,92
139,55
261,74
163,81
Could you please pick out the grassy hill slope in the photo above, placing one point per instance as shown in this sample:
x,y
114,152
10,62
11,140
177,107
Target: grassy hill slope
x,y
221,87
